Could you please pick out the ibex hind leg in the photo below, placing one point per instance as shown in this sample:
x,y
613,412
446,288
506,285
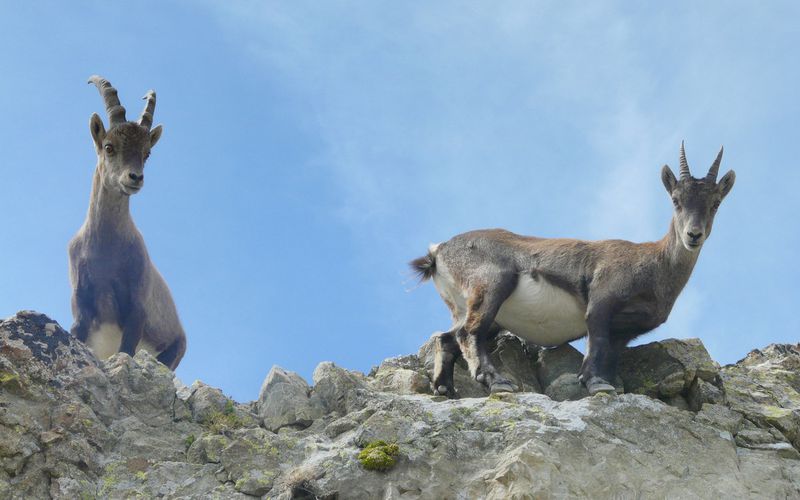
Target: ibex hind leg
x,y
479,328
446,354
172,355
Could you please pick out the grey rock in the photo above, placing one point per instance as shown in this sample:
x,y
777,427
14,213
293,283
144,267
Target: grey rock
x,y
284,401
400,381
335,388
516,360
348,422
207,448
512,357
408,362
701,392
566,387
143,385
252,460
206,401
557,361
765,386
182,391
753,437
668,368
71,427
677,401
721,417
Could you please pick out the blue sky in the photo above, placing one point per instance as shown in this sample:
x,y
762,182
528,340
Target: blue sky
x,y
311,149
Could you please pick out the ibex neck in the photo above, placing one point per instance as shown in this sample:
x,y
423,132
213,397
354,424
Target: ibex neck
x,y
677,261
109,210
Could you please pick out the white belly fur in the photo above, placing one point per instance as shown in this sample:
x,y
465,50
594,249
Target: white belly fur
x,y
542,313
105,340
537,311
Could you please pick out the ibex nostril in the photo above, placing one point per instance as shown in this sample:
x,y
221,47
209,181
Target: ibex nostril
x,y
694,236
136,178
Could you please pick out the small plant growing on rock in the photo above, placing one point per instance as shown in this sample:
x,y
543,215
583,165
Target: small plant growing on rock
x,y
379,455
190,439
226,420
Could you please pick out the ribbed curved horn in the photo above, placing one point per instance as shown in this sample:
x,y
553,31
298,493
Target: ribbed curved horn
x,y
684,165
115,111
714,170
146,120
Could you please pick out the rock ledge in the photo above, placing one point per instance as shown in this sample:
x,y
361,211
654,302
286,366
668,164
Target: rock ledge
x,y
681,427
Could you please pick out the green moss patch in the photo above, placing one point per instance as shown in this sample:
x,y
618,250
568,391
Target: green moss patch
x,y
379,455
190,439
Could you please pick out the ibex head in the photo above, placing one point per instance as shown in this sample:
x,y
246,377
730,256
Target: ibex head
x,y
696,200
123,149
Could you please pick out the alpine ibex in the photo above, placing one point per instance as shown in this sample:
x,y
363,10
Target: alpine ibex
x,y
119,300
553,291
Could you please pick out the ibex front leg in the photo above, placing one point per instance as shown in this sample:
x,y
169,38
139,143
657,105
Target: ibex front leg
x,y
83,309
600,364
132,330
473,337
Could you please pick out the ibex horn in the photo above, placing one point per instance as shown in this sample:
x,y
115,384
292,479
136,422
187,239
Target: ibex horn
x,y
115,111
684,165
714,170
146,120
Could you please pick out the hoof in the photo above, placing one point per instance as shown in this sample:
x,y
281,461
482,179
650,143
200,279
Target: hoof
x,y
443,390
502,386
597,384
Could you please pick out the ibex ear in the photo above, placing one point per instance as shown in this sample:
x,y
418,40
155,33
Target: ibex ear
x,y
726,183
155,135
98,131
668,178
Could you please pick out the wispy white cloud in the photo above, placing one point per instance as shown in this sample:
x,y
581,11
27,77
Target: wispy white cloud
x,y
442,109
546,118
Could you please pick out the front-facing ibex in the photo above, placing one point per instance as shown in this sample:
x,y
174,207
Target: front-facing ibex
x,y
119,300
552,291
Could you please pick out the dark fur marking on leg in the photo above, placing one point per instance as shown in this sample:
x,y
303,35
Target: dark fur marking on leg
x,y
170,354
446,354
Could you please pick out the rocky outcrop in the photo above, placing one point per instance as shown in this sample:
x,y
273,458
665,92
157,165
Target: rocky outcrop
x,y
284,401
681,427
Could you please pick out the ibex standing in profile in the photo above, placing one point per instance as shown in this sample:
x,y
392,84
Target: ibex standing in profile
x,y
553,291
119,300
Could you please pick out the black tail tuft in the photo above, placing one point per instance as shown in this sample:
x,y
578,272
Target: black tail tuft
x,y
425,267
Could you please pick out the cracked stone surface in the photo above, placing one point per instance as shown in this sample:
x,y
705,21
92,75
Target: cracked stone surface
x,y
73,427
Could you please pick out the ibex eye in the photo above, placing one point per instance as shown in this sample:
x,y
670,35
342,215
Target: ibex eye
x,y
109,149
675,202
715,206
